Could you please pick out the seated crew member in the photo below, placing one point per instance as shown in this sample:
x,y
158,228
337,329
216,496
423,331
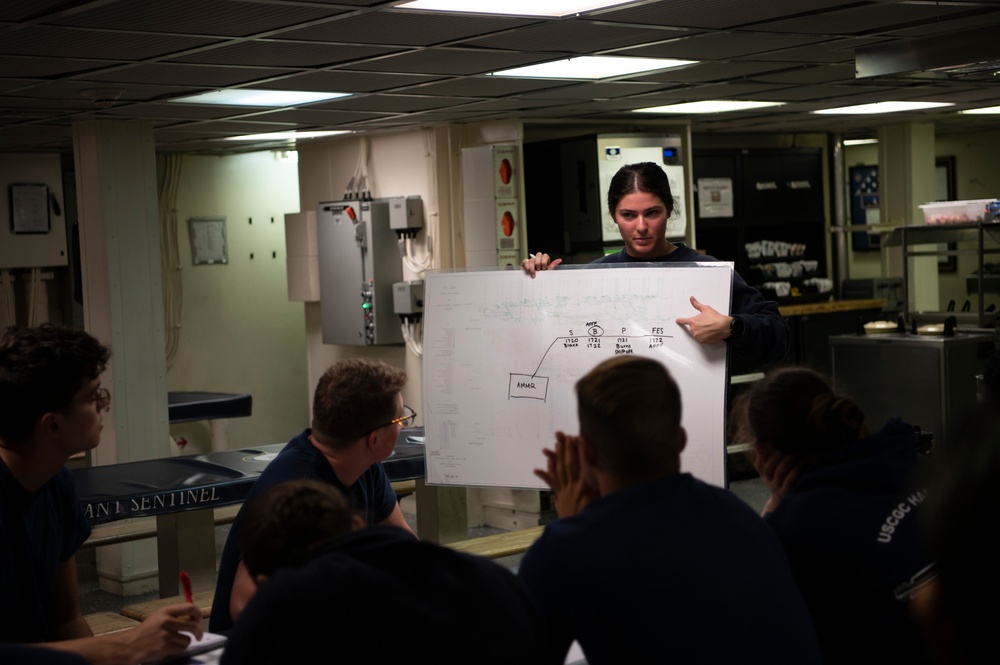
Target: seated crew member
x,y
647,564
847,510
323,574
357,415
960,531
640,203
51,401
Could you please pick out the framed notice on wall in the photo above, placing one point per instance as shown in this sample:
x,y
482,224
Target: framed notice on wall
x,y
29,208
208,240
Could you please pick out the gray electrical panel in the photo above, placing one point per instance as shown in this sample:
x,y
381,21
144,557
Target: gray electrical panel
x,y
359,262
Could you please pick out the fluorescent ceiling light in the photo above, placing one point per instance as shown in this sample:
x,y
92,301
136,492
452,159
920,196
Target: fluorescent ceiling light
x,y
248,97
859,141
885,107
281,136
554,8
983,111
592,67
708,106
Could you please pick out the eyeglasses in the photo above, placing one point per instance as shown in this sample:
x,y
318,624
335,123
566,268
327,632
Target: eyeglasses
x,y
103,398
404,421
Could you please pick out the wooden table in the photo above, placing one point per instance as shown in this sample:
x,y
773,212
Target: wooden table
x,y
812,324
831,306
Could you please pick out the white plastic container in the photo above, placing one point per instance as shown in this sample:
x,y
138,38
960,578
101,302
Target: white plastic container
x,y
955,212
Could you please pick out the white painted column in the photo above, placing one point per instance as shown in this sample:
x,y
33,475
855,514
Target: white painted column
x,y
906,179
123,306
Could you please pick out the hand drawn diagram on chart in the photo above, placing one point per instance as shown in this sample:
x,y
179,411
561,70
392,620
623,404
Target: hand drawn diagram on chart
x,y
503,352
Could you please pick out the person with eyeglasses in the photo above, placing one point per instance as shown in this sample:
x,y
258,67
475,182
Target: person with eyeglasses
x,y
358,412
51,406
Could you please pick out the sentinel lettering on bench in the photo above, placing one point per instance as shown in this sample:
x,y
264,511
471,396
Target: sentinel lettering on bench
x,y
152,503
102,509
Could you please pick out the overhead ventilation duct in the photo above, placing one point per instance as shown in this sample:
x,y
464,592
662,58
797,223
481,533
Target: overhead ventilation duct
x,y
968,55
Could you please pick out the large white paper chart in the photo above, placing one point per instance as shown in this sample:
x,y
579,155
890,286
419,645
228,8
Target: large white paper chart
x,y
503,352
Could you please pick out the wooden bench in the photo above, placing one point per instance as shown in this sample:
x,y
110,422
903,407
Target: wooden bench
x,y
138,528
145,527
102,623
404,487
494,546
499,545
141,611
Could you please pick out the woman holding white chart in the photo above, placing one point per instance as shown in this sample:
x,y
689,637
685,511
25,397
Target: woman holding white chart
x,y
640,203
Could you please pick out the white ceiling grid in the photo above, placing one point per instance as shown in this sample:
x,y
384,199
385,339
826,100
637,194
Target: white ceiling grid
x,y
411,69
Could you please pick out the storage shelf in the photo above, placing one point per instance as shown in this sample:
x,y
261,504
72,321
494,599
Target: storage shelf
x,y
945,234
923,234
991,283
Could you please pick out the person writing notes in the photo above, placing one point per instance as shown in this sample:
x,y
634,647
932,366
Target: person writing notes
x,y
640,203
51,406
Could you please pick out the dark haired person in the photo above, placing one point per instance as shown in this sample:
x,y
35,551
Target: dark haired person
x,y
846,506
321,572
51,401
647,564
357,414
640,203
962,503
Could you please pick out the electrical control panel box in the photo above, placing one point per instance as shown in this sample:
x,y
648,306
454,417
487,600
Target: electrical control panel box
x,y
408,298
406,213
359,262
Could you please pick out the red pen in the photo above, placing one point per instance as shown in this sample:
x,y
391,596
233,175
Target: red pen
x,y
186,583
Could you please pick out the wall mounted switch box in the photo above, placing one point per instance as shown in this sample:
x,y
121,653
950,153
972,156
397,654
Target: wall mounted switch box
x,y
408,297
406,213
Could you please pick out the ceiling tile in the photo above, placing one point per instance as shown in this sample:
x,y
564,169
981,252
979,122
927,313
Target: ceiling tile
x,y
454,61
78,43
273,53
227,18
575,36
345,81
866,18
199,76
407,28
713,14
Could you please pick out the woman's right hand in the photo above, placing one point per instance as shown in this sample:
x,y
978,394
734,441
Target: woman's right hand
x,y
536,262
779,473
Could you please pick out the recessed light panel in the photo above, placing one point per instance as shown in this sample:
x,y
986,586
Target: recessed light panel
x,y
592,67
247,97
860,141
285,136
988,110
885,107
553,8
709,106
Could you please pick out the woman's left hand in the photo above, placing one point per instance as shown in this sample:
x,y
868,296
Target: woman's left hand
x,y
708,325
